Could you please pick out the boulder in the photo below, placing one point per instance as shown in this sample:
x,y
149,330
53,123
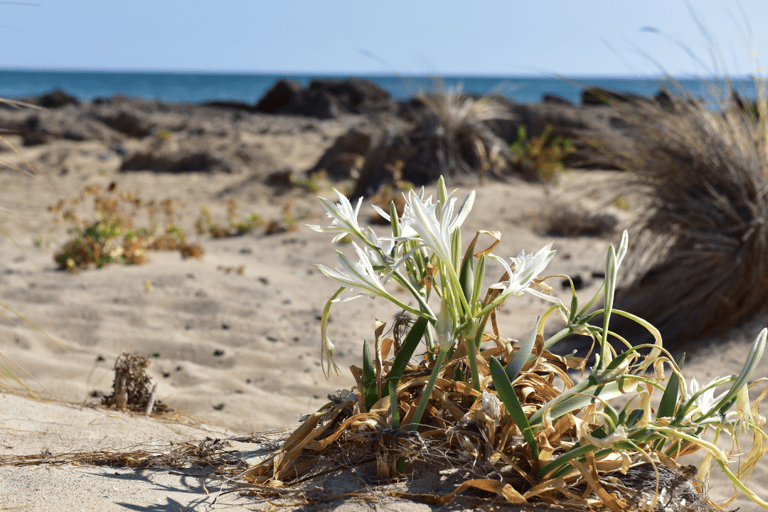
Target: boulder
x,y
555,99
602,96
325,99
57,99
346,156
281,97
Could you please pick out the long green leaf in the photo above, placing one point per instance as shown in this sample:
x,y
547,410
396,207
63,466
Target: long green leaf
x,y
406,351
514,367
370,390
512,403
668,401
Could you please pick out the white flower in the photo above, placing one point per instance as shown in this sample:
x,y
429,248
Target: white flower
x,y
384,256
360,276
434,223
527,268
343,215
706,401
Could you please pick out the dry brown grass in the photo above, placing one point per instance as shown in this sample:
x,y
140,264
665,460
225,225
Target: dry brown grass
x,y
700,262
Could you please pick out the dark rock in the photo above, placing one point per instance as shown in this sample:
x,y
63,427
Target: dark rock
x,y
31,132
75,134
179,161
280,97
602,96
665,99
127,122
346,156
56,99
231,105
325,99
555,99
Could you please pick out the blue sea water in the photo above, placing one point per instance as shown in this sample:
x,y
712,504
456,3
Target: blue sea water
x,y
199,87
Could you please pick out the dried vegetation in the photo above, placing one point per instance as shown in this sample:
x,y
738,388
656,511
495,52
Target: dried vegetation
x,y
700,262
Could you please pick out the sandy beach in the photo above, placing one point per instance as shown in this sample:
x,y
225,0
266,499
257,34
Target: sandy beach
x,y
236,333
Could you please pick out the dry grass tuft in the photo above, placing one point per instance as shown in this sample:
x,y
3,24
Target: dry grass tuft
x,y
700,262
132,388
453,138
566,220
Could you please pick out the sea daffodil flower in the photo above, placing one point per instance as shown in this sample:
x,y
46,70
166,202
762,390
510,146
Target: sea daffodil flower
x,y
527,268
434,224
360,276
344,217
705,402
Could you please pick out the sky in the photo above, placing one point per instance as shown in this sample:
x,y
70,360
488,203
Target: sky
x,y
416,37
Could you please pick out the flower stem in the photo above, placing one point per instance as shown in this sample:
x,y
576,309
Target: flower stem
x,y
472,356
427,391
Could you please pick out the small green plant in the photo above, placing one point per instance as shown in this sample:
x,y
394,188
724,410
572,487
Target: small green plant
x,y
163,136
236,225
508,409
311,184
545,154
110,236
621,202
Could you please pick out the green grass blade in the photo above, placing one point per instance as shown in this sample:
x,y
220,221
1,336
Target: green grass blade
x,y
370,390
512,403
406,351
668,401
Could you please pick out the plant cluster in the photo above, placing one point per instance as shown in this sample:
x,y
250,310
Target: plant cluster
x,y
451,394
237,226
545,154
110,235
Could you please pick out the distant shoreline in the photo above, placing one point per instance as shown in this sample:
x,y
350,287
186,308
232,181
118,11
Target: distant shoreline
x,y
194,87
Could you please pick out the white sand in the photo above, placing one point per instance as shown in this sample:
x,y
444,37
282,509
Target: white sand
x,y
264,324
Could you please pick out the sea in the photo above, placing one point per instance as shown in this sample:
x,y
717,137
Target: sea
x,y
248,88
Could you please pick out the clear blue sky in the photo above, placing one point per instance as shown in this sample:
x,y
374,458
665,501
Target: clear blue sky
x,y
501,37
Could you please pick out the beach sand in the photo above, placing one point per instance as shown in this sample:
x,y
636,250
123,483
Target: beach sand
x,y
238,353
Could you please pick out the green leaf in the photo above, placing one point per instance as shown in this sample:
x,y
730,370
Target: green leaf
x,y
406,351
479,275
668,401
393,408
521,357
512,403
369,377
394,220
634,417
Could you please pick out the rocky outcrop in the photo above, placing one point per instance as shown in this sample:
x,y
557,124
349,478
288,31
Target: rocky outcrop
x,y
345,158
354,126
325,99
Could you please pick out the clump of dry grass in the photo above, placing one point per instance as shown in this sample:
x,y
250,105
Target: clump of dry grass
x,y
453,137
568,220
700,264
132,389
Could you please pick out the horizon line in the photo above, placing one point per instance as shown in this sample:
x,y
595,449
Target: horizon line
x,y
360,74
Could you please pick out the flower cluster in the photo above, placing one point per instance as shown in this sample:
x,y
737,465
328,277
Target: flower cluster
x,y
424,239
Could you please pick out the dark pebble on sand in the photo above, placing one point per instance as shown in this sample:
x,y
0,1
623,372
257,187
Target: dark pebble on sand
x,y
219,407
218,352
